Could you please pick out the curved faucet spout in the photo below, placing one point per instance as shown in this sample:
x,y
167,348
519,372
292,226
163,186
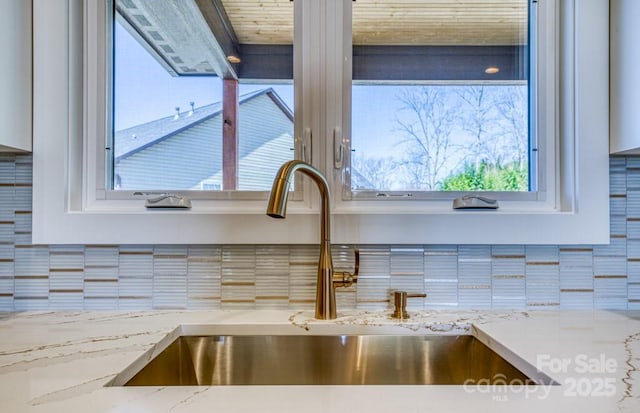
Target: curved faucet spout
x,y
277,208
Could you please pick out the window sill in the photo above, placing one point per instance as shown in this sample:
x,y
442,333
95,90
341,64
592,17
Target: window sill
x,y
202,226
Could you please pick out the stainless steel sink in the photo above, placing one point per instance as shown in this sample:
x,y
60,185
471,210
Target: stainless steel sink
x,y
324,360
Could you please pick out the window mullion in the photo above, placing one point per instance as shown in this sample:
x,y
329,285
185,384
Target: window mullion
x,y
336,89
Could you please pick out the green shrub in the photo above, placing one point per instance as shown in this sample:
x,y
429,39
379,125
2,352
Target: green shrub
x,y
487,177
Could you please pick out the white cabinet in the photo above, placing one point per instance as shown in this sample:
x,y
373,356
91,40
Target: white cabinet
x,y
625,77
15,75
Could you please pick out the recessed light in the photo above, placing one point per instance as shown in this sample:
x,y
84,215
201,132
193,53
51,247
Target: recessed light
x,y
233,59
492,70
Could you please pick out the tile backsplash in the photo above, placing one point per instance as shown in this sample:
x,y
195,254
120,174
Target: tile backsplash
x,y
96,277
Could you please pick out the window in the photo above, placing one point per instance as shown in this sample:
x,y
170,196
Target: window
x,y
440,98
193,108
74,188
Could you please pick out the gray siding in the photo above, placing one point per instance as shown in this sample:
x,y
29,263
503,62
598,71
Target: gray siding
x,y
266,139
180,162
194,156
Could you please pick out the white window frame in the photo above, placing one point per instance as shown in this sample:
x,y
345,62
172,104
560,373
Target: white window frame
x,y
66,101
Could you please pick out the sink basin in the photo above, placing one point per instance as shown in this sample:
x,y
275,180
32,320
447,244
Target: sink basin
x,y
323,360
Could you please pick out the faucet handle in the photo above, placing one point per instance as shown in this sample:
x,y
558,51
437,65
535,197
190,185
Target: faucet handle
x,y
345,278
400,303
356,269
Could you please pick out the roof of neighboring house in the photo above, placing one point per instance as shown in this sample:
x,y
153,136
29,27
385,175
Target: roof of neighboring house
x,y
134,139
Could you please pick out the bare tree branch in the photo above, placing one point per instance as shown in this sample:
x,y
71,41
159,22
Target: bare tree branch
x,y
427,128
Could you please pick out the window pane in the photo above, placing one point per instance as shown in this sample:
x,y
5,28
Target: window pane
x,y
159,119
266,128
440,96
174,127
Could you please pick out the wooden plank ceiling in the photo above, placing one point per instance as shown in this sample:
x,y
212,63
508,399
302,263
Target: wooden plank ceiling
x,y
394,22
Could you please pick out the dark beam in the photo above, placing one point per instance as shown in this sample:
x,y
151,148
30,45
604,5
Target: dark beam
x,y
218,21
404,63
266,62
439,63
230,109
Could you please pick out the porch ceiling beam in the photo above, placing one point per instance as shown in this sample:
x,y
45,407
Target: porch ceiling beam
x,y
440,63
399,63
222,29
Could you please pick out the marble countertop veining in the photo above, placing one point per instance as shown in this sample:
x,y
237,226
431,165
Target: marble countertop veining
x,y
61,361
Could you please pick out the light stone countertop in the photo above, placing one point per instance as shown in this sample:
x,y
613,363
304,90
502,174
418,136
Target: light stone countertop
x,y
61,361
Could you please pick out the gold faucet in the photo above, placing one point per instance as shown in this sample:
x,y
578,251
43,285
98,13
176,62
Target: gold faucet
x,y
328,279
